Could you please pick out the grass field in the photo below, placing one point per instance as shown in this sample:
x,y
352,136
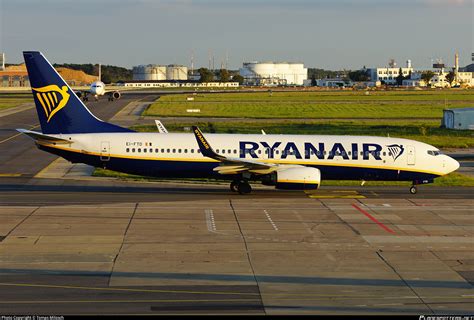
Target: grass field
x,y
316,105
13,100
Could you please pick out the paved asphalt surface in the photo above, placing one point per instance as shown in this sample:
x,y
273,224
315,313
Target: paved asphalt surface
x,y
119,247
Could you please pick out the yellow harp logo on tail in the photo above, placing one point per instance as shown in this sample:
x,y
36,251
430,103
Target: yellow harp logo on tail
x,y
52,98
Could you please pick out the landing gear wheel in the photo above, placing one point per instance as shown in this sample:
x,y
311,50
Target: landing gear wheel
x,y
233,186
413,189
244,187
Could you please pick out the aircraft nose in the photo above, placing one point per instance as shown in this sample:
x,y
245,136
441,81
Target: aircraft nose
x,y
452,164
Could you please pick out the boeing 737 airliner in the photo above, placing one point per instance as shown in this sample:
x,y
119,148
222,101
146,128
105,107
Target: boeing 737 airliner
x,y
299,162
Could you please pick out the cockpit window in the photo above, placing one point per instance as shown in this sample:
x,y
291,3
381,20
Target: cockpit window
x,y
434,152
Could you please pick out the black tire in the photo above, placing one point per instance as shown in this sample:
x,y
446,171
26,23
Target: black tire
x,y
244,187
413,189
233,186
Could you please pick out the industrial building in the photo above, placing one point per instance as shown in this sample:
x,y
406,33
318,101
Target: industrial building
x,y
388,75
273,73
459,119
160,72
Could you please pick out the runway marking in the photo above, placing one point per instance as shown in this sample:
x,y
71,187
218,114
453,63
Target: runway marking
x,y
18,134
271,221
368,215
10,174
210,221
39,174
336,194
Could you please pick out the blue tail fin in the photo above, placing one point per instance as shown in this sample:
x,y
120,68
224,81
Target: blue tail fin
x,y
59,109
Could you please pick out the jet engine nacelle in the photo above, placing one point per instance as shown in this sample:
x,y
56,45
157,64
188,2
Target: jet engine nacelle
x,y
298,178
116,95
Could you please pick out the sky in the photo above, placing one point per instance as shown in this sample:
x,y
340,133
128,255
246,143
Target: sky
x,y
329,34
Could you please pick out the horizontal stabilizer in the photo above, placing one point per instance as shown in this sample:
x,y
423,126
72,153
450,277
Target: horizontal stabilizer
x,y
43,137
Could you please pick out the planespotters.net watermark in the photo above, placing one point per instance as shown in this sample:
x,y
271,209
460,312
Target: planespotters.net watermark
x,y
446,318
35,317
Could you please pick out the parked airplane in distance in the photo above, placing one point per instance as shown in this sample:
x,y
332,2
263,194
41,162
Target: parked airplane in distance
x,y
97,89
300,162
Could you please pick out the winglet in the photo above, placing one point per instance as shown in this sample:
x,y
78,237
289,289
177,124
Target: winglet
x,y
204,146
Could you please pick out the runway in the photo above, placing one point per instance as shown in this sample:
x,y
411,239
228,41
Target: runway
x,y
186,250
106,246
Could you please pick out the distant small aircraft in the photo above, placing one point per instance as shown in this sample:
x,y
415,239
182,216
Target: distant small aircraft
x,y
97,89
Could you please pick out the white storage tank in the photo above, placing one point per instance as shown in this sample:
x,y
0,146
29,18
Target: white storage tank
x,y
176,72
149,72
288,73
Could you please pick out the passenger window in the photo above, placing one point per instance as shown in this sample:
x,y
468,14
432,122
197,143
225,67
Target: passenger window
x,y
151,150
199,150
179,150
174,150
217,150
144,150
223,150
235,151
167,150
128,150
139,150
192,150
156,150
229,151
133,150
185,150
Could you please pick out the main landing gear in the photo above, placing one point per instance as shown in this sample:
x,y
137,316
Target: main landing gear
x,y
240,186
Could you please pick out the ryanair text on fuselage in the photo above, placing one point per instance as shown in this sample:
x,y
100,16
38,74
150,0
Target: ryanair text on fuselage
x,y
308,150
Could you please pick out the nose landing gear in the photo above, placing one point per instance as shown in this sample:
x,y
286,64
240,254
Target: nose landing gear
x,y
413,189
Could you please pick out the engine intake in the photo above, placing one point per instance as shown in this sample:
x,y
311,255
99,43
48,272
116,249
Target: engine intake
x,y
116,95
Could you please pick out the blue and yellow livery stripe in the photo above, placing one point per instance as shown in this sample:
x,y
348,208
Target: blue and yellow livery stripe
x,y
282,162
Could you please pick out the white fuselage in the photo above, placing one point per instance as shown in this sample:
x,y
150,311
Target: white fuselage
x,y
97,88
329,153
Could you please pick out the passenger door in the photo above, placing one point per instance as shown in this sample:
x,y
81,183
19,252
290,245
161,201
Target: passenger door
x,y
411,155
105,151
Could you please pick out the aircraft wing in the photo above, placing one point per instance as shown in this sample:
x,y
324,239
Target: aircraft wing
x,y
38,136
232,165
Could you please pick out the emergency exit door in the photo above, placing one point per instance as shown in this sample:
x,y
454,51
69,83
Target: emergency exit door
x,y
411,155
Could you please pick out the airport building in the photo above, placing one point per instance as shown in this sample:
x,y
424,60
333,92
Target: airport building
x,y
388,75
152,72
176,84
2,61
273,73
